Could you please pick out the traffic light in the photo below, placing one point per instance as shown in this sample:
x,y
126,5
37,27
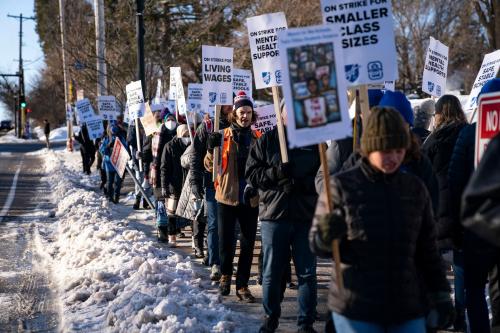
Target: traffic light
x,y
23,102
28,110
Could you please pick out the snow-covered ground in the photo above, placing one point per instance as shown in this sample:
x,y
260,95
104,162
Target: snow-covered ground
x,y
59,134
10,137
115,278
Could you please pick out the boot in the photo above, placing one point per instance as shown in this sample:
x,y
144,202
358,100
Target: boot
x,y
198,253
215,273
116,198
244,295
145,204
225,285
172,242
270,325
162,235
137,202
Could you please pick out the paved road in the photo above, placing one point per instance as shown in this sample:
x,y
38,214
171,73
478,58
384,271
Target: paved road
x,y
26,297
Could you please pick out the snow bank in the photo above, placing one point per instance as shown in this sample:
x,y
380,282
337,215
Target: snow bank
x,y
116,279
10,137
59,134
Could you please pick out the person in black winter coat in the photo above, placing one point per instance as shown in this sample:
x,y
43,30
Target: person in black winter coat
x,y
287,201
449,121
383,220
87,148
423,117
173,176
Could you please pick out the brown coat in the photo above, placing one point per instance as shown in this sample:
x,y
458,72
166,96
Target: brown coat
x,y
227,189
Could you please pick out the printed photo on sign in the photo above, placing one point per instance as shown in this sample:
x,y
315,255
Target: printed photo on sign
x,y
314,85
315,98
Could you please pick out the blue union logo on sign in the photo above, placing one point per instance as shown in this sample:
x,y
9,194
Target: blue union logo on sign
x,y
375,70
352,72
212,97
266,76
430,86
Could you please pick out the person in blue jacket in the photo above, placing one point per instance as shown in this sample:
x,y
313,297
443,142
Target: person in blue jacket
x,y
114,183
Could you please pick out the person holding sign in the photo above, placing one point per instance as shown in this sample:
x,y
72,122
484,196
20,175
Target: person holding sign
x,y
236,199
383,219
288,198
87,148
114,180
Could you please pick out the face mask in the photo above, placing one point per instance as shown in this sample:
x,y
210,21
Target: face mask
x,y
170,125
185,140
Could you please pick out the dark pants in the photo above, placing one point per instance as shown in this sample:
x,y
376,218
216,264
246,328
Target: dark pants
x,y
277,237
114,183
247,219
479,259
212,232
88,158
459,283
172,226
199,231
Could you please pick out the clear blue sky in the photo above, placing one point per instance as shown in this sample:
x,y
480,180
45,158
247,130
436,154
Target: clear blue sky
x,y
9,43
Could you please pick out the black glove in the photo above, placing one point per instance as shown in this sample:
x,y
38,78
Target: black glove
x,y
332,226
214,140
138,155
442,314
197,191
285,185
284,170
248,193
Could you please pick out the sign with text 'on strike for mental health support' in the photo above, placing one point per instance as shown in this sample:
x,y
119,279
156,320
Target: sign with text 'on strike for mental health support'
x,y
263,39
489,69
366,31
488,122
242,81
435,69
135,100
195,97
217,75
313,85
107,107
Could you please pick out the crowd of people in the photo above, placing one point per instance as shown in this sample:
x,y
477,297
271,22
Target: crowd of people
x,y
402,199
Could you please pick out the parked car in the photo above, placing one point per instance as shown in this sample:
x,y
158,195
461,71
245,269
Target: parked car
x,y
5,125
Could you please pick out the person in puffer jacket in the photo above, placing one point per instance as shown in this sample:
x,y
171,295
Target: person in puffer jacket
x,y
382,217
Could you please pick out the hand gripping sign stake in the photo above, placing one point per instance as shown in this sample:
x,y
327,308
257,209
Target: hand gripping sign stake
x,y
281,129
335,243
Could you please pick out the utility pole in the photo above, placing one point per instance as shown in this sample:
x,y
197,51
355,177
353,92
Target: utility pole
x,y
69,142
22,96
100,40
140,45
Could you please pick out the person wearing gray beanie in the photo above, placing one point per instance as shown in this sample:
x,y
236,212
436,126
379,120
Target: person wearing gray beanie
x,y
423,116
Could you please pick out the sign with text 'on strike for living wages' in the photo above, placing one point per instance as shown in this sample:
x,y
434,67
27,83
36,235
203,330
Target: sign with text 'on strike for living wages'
x,y
366,31
436,69
217,75
263,40
489,69
488,122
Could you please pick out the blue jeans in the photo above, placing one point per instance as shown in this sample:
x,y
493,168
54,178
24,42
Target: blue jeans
x,y
277,237
114,183
212,229
459,282
346,325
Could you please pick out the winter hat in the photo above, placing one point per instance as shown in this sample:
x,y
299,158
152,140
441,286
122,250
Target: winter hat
x,y
384,130
492,85
398,100
423,114
242,100
374,97
164,113
182,130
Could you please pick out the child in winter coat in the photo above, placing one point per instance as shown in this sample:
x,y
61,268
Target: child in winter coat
x,y
114,180
383,218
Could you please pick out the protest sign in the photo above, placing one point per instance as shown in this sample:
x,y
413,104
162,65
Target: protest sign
x,y
366,31
488,122
390,85
435,69
135,99
263,40
84,110
489,69
119,157
195,97
107,107
266,118
217,75
159,103
126,115
149,121
95,128
242,81
317,107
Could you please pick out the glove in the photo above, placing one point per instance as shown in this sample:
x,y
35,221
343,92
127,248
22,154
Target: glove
x,y
442,314
332,226
197,191
248,193
164,193
214,140
138,155
285,185
284,170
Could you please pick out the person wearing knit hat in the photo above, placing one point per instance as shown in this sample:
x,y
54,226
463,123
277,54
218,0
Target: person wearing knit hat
x,y
242,100
423,116
492,85
383,220
398,100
